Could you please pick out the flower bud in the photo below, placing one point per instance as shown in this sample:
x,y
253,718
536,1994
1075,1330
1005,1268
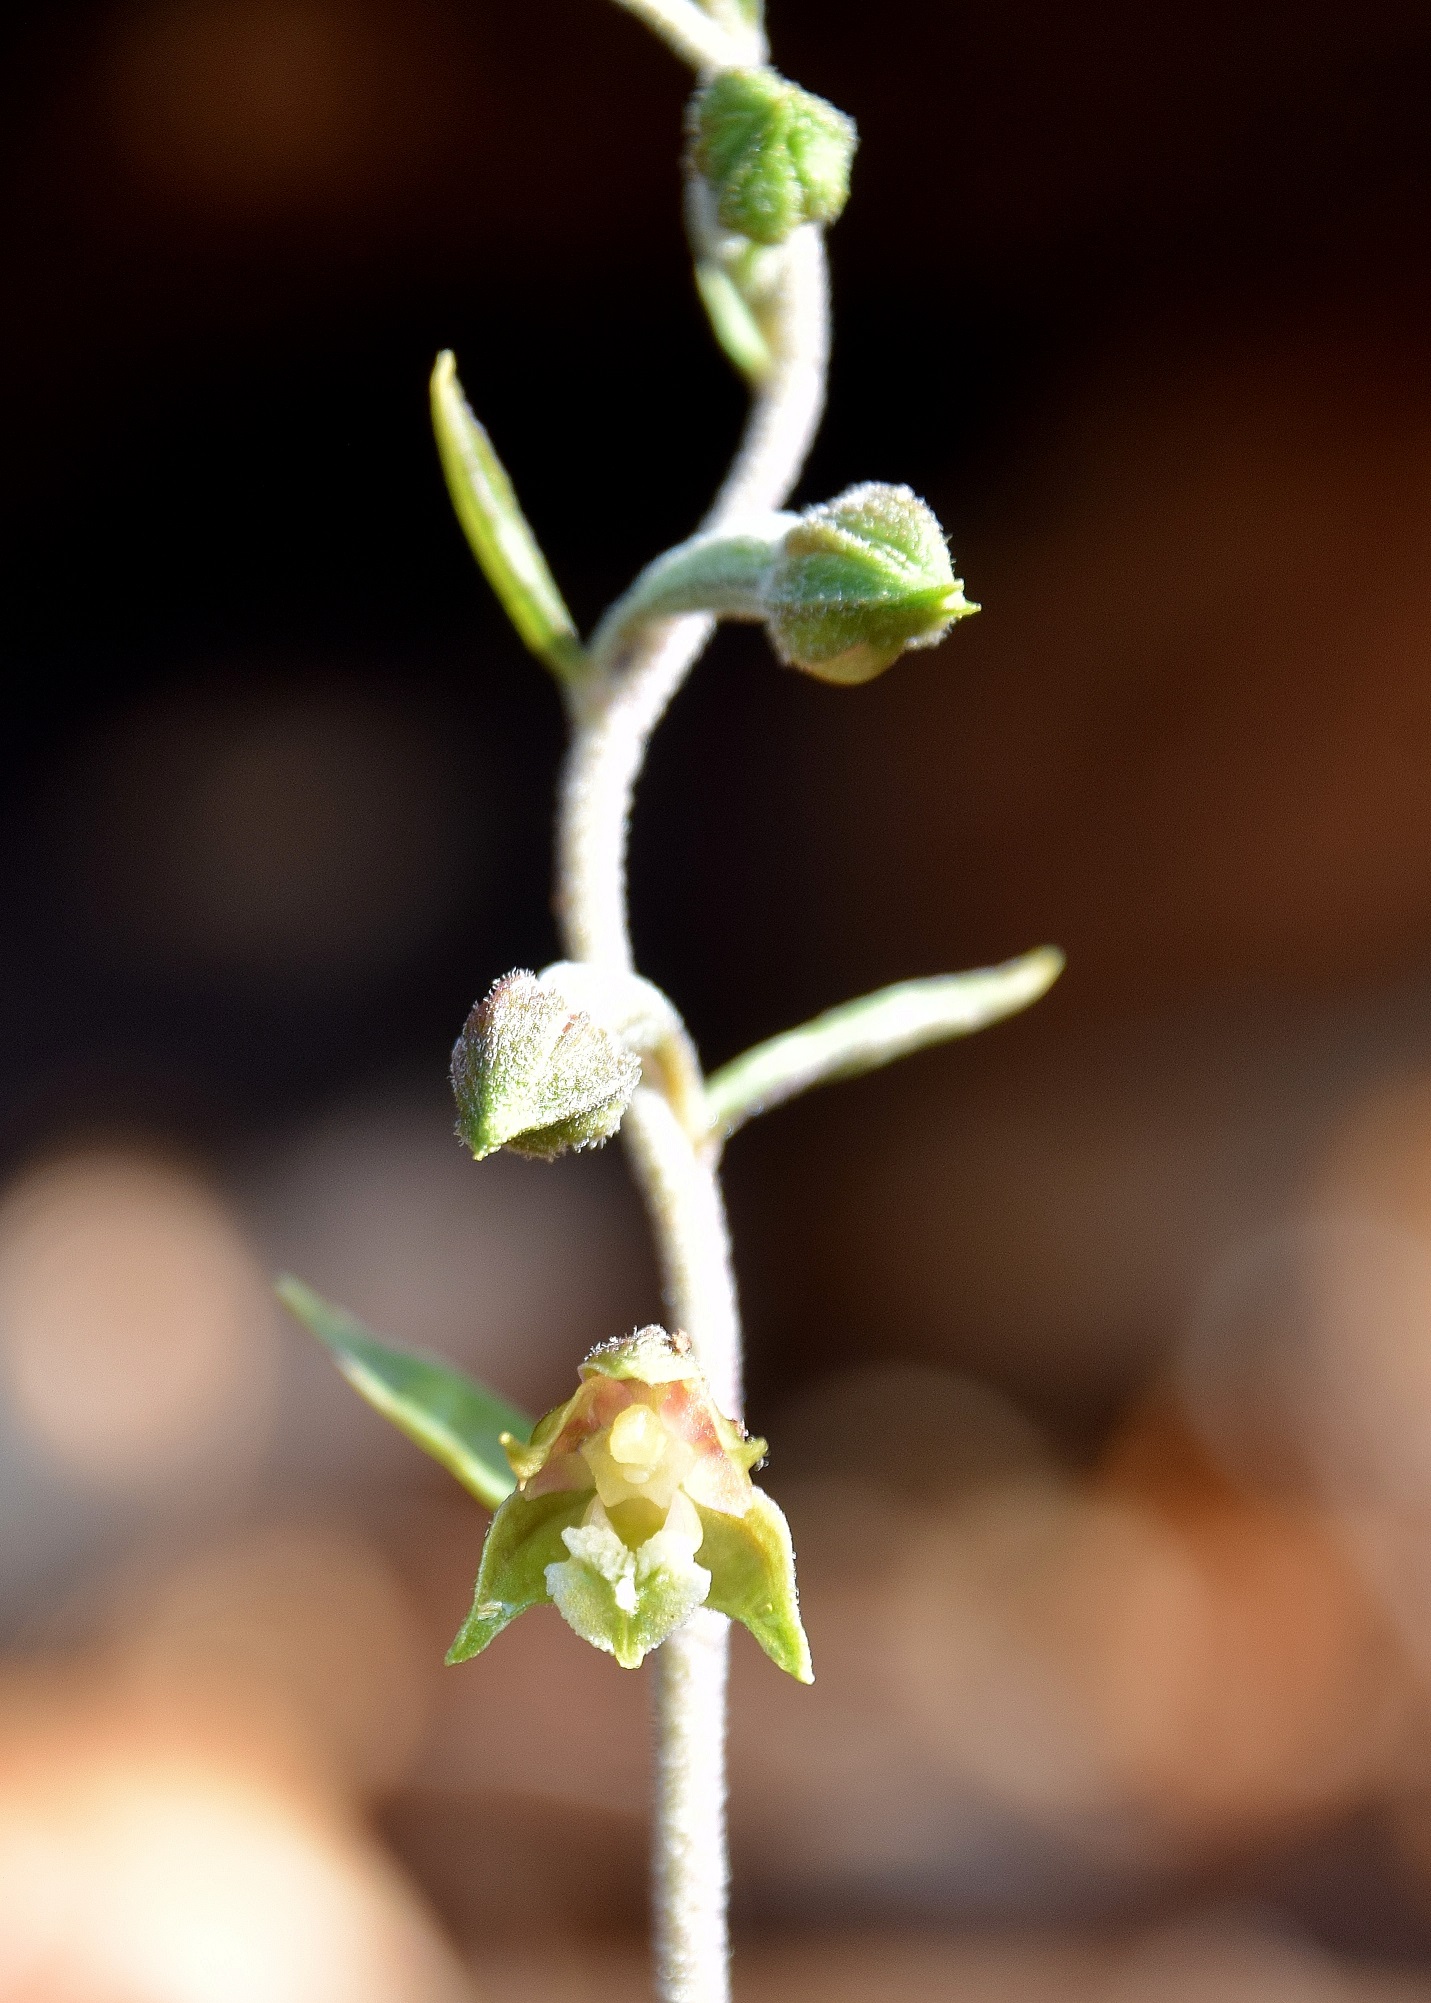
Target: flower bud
x,y
773,155
858,580
535,1074
619,1493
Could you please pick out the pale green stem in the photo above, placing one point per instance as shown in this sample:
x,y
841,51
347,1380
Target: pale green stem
x,y
693,1245
615,713
690,1868
690,1860
698,38
862,1035
723,575
744,18
613,716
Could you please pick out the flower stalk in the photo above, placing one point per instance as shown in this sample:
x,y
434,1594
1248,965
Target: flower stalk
x,y
631,1507
679,1181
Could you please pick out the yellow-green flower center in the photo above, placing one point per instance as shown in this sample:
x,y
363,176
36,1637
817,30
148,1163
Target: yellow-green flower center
x,y
638,1458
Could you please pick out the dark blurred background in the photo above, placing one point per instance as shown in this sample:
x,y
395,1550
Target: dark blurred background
x,y
1096,1352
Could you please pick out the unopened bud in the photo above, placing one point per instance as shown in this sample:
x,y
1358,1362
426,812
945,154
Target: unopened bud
x,y
635,1506
774,156
534,1074
858,580
841,589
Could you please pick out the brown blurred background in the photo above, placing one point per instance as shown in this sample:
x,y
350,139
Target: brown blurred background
x,y
1096,1353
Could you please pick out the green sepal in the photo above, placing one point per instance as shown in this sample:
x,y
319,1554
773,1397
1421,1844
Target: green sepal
x,y
774,156
528,1456
748,1452
751,1561
499,533
440,1408
842,589
524,1537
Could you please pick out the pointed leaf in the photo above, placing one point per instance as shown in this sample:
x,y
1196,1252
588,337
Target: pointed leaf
x,y
862,1035
447,1413
500,535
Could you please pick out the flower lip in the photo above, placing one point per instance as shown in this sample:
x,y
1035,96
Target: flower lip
x,y
624,1598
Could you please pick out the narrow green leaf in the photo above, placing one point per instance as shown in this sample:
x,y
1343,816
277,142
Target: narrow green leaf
x,y
500,535
447,1413
862,1035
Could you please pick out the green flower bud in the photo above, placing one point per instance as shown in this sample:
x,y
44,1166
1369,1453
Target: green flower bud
x,y
773,155
535,1074
619,1493
841,589
858,580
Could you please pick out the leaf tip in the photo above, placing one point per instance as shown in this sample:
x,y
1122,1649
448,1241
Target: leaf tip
x,y
301,1301
1046,963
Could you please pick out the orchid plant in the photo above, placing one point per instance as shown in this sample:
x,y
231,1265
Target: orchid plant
x,y
631,1508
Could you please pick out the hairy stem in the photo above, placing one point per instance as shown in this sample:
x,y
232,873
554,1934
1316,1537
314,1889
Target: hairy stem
x,y
697,35
613,716
690,1870
690,1873
683,1200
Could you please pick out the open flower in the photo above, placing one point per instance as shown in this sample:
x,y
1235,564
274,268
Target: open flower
x,y
635,1506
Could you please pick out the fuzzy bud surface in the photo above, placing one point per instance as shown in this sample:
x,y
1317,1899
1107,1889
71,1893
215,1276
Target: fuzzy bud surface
x,y
857,581
533,1073
774,156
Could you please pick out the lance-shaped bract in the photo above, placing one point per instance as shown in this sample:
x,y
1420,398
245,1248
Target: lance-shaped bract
x,y
774,156
534,1074
876,1029
634,1507
498,532
442,1409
